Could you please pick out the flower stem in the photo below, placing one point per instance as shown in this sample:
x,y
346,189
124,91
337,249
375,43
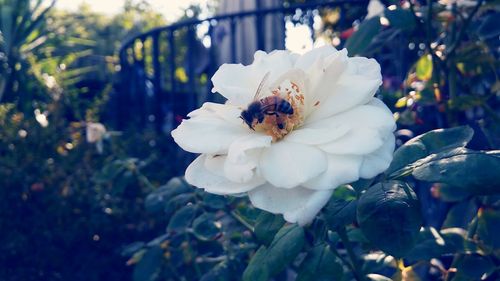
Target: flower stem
x,y
358,274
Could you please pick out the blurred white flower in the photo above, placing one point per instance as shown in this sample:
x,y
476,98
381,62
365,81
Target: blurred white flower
x,y
41,118
375,8
460,3
95,133
338,131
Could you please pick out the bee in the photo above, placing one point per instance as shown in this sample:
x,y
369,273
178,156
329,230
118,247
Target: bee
x,y
271,106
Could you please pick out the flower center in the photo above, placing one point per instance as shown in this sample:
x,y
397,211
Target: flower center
x,y
279,122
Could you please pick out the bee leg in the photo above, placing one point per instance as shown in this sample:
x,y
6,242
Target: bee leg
x,y
260,118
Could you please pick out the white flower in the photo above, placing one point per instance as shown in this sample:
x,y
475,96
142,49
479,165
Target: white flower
x,y
460,3
95,133
338,131
375,8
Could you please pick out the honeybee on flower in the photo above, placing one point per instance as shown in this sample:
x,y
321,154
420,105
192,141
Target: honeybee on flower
x,y
316,125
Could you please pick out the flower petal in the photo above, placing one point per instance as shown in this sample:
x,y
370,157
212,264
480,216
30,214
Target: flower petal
x,y
211,129
207,172
298,205
356,86
243,157
379,160
342,169
287,164
306,60
314,136
238,83
357,142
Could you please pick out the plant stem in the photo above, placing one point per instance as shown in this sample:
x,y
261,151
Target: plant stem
x,y
241,220
358,274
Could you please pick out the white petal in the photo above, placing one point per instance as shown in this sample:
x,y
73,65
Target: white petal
x,y
298,205
286,164
357,142
323,77
342,169
371,115
238,83
235,82
369,68
379,160
237,150
356,86
207,134
227,112
346,94
314,136
305,61
243,157
206,172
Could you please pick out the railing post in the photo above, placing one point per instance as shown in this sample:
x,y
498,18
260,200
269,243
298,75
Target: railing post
x,y
157,85
259,30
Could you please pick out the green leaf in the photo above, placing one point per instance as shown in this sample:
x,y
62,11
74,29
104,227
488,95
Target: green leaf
x,y
360,41
449,193
285,246
266,227
182,219
156,200
320,264
268,262
339,213
148,268
424,67
401,19
475,172
257,269
432,244
389,218
460,214
219,273
204,227
488,228
426,144
214,202
472,267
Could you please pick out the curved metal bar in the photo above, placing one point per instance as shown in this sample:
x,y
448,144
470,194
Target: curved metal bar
x,y
160,77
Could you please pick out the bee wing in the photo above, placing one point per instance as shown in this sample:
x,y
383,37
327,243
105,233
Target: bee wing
x,y
261,86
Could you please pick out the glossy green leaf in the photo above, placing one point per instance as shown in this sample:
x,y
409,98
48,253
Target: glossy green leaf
x,y
401,19
156,200
472,267
266,227
267,262
339,213
320,264
182,219
426,144
257,269
488,228
389,218
432,244
460,214
148,268
475,172
360,41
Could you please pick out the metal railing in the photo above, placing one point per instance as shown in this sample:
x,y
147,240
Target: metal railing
x,y
165,72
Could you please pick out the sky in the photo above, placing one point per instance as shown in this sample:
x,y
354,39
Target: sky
x,y
171,9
